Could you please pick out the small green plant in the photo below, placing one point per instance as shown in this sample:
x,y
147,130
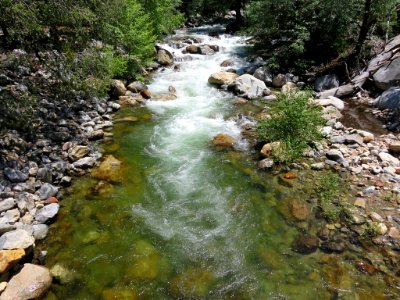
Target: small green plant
x,y
328,190
295,123
369,229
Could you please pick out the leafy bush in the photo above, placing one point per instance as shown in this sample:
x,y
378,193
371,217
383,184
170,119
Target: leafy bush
x,y
295,123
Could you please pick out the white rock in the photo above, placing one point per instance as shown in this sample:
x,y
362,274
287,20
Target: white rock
x,y
16,239
386,157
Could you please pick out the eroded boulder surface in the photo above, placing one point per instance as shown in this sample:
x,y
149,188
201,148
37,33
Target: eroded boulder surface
x,y
31,283
248,86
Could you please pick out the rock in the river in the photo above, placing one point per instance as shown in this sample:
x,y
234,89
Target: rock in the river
x,y
47,212
31,283
16,239
119,88
339,92
250,87
8,258
78,152
388,75
266,163
15,176
223,141
333,101
326,82
137,87
222,78
164,57
390,99
47,190
227,63
110,169
85,163
62,274
305,244
193,49
299,209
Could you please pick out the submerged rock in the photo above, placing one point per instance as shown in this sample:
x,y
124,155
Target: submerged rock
x,y
223,141
31,283
110,169
192,283
388,75
305,244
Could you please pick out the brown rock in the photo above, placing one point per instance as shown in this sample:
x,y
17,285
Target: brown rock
x,y
164,57
31,283
305,244
227,63
145,94
299,209
119,88
126,101
290,175
267,149
193,49
394,147
360,202
239,101
110,169
8,258
366,268
223,141
78,152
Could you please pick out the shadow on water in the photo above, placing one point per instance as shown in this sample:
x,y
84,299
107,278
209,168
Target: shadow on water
x,y
358,116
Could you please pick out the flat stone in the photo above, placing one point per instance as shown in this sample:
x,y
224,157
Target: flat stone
x,y
394,233
7,204
360,202
394,147
376,217
11,216
353,139
265,163
47,212
16,239
85,163
31,283
386,157
40,231
78,152
46,191
337,139
9,258
15,176
335,155
318,166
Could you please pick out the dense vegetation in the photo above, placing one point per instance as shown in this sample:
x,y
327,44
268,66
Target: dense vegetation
x,y
294,123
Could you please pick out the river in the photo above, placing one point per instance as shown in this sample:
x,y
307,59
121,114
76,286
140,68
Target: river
x,y
188,221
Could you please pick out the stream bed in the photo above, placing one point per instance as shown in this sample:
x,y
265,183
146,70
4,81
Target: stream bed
x,y
186,221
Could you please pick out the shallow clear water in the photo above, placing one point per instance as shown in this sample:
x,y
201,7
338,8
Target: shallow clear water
x,y
187,221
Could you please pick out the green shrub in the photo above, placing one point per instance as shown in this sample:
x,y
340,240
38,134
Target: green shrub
x,y
295,123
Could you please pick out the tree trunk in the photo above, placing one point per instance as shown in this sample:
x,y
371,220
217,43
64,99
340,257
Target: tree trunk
x,y
368,20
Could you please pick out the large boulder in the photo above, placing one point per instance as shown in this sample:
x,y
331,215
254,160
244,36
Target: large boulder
x,y
390,99
31,283
164,57
222,78
223,141
326,82
119,88
110,169
341,91
250,87
388,75
137,87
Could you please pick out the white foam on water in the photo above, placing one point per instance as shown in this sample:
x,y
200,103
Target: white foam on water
x,y
185,204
